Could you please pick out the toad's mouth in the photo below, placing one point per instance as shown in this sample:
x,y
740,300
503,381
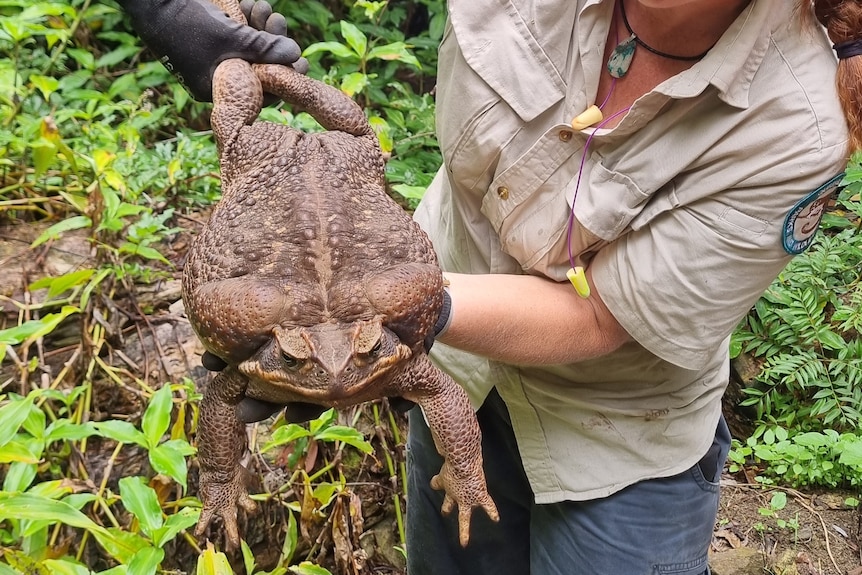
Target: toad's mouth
x,y
313,384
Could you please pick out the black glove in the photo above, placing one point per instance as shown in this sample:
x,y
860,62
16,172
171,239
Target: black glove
x,y
191,37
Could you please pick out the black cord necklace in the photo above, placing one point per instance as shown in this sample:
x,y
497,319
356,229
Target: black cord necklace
x,y
622,56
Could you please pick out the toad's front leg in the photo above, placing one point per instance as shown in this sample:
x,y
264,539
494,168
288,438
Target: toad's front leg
x,y
221,446
458,439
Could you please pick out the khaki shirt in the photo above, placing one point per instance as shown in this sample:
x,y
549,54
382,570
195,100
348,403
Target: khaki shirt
x,y
680,214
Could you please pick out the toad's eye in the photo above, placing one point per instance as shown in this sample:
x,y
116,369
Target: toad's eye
x,y
376,349
290,362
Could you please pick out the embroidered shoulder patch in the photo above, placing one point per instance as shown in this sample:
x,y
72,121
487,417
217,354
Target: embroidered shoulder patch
x,y
800,225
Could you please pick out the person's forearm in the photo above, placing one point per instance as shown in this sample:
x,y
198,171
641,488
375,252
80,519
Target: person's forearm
x,y
528,320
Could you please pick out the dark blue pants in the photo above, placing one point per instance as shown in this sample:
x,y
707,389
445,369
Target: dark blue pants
x,y
655,527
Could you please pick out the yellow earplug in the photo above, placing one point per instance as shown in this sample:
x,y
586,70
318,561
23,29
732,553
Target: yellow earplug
x,y
578,277
587,118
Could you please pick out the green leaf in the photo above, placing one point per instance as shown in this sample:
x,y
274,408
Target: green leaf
x,y
157,417
335,48
52,233
176,523
395,51
141,500
851,455
285,434
307,568
120,431
60,284
146,561
168,460
212,562
13,414
354,37
123,52
65,567
31,330
354,83
410,192
65,430
347,435
19,476
33,507
143,251
47,85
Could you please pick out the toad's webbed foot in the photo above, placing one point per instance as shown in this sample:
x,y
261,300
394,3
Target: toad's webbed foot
x,y
466,491
221,497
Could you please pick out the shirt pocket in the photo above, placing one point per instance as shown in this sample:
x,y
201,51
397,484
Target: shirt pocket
x,y
528,205
494,77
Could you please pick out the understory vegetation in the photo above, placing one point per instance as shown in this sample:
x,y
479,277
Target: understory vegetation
x,y
99,142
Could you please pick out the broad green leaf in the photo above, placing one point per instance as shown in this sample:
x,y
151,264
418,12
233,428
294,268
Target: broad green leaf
x,y
73,223
308,568
410,192
354,38
13,414
60,284
247,556
157,417
141,500
47,85
212,562
395,51
348,435
123,545
811,439
354,83
123,52
169,460
146,561
851,455
335,48
285,434
143,251
120,431
65,567
30,331
19,476
33,507
174,524
65,430
288,548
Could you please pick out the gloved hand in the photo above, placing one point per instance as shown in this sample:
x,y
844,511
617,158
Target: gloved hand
x,y
191,37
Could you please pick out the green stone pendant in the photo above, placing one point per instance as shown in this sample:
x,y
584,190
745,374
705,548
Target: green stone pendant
x,y
621,58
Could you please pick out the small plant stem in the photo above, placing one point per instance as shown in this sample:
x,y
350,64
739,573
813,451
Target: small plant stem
x,y
393,475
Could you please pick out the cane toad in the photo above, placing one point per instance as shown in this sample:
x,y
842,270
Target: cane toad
x,y
314,286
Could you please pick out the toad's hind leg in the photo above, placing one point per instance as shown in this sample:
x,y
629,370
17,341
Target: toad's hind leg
x,y
457,438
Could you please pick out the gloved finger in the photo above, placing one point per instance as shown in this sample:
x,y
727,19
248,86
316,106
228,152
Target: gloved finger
x,y
298,412
301,65
250,410
276,24
212,362
266,48
400,404
259,13
246,7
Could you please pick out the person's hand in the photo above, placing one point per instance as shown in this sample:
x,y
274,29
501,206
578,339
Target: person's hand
x,y
191,37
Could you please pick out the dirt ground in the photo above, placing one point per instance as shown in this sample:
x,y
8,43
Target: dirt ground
x,y
817,531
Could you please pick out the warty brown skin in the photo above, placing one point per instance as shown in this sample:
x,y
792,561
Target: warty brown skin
x,y
314,286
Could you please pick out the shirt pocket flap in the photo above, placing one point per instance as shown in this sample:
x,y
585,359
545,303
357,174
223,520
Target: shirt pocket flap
x,y
499,47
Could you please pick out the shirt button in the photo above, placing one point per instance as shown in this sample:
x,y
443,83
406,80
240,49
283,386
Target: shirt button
x,y
565,135
503,192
